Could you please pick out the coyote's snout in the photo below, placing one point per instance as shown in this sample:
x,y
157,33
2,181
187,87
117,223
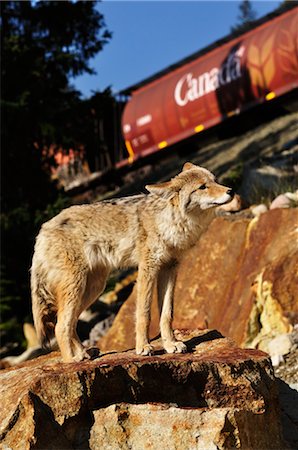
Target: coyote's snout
x,y
76,251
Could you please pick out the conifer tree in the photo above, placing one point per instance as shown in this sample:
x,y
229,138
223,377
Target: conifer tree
x,y
246,16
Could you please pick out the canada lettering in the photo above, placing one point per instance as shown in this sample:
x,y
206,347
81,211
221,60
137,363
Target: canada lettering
x,y
189,88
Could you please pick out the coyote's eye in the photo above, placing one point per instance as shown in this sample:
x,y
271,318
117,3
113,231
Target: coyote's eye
x,y
203,187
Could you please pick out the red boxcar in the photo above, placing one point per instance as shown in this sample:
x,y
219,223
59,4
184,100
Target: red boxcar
x,y
256,66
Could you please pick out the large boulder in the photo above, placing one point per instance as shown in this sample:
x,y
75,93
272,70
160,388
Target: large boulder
x,y
217,396
241,278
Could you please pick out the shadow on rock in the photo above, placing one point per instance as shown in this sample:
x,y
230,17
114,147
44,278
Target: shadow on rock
x,y
288,398
210,336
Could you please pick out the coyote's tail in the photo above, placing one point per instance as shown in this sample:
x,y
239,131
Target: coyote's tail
x,y
44,311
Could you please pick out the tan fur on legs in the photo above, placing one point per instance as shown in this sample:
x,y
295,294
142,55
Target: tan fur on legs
x,y
145,283
165,286
72,300
69,300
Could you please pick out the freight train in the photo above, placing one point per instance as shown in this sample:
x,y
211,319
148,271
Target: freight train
x,y
221,87
223,80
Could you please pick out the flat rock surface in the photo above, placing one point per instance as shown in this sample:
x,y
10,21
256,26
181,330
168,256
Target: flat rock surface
x,y
207,349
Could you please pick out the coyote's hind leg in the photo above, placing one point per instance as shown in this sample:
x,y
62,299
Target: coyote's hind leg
x,y
78,293
69,343
69,296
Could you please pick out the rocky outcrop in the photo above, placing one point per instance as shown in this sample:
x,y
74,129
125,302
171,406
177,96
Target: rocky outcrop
x,y
217,396
241,278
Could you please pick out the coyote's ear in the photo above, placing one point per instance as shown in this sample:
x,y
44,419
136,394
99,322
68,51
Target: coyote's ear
x,y
161,189
188,166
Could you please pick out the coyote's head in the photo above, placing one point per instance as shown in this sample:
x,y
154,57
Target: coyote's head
x,y
193,189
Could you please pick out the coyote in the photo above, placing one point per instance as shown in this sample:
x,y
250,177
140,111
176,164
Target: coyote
x,y
76,251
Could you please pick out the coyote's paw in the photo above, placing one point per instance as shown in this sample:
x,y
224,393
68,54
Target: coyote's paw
x,y
175,347
81,356
87,353
145,350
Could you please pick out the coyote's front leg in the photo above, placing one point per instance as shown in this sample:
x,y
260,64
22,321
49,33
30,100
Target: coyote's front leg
x,y
145,284
166,285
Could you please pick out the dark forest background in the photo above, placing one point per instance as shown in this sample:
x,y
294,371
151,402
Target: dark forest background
x,y
43,45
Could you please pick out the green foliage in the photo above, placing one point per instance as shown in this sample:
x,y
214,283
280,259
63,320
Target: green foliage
x,y
11,331
19,227
8,293
51,210
10,328
42,45
265,194
234,177
45,43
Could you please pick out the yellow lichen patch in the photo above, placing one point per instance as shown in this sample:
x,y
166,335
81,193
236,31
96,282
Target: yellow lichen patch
x,y
266,318
249,229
